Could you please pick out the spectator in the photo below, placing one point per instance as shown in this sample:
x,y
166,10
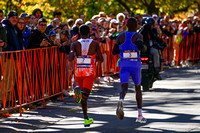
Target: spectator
x,y
166,18
12,45
53,24
3,37
94,22
146,15
101,30
32,22
195,20
155,17
95,18
112,16
38,38
12,39
166,30
162,24
26,31
57,14
64,26
121,19
3,44
70,23
162,15
159,31
55,38
74,32
93,35
126,14
114,32
102,15
139,17
82,16
57,29
197,27
26,18
64,36
19,27
37,13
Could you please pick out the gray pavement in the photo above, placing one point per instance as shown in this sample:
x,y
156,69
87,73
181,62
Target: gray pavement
x,y
172,105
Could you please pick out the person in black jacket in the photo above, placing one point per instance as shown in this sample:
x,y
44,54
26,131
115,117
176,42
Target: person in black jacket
x,y
37,38
153,42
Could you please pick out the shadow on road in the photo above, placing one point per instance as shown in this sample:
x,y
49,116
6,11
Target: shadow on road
x,y
164,108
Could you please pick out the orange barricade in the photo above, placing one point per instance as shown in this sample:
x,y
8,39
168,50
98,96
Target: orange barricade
x,y
32,75
109,64
182,48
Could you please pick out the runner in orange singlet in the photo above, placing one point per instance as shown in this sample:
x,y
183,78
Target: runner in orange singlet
x,y
85,51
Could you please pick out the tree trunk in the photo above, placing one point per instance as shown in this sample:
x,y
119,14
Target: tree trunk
x,y
151,8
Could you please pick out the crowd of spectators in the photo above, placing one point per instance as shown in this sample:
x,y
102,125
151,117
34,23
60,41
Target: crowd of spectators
x,y
33,31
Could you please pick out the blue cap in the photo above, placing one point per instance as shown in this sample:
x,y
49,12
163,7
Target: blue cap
x,y
52,33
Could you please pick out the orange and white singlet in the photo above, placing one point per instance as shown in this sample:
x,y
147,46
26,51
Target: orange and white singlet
x,y
85,64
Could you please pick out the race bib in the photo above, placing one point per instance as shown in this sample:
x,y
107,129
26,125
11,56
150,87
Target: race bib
x,y
130,54
83,61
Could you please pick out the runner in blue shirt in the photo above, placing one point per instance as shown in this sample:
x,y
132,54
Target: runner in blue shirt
x,y
127,45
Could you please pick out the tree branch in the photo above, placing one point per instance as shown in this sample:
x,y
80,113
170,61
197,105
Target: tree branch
x,y
124,5
145,3
183,9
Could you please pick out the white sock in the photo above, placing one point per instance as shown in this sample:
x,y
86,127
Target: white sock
x,y
139,112
121,100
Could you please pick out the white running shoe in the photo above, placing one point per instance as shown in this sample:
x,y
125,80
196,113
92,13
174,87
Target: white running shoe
x,y
141,119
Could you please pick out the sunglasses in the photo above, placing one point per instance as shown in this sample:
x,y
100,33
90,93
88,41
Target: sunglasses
x,y
22,23
43,25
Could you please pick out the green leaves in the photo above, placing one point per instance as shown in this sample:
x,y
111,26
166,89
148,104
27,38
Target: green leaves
x,y
73,8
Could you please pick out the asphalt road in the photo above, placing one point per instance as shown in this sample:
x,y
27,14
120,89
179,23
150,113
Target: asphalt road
x,y
172,105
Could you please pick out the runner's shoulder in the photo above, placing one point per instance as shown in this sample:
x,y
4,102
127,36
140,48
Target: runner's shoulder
x,y
76,43
121,35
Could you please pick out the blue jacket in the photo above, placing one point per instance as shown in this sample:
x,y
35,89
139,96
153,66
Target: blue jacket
x,y
26,33
13,43
20,37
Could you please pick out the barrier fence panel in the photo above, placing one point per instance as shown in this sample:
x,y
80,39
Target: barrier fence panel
x,y
109,65
182,48
32,75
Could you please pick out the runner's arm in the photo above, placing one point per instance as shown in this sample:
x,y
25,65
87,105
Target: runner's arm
x,y
72,52
140,44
